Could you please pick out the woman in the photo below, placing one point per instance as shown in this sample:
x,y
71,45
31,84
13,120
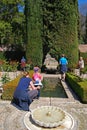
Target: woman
x,y
81,64
23,96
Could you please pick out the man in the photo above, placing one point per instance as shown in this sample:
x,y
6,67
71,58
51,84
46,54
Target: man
x,y
63,66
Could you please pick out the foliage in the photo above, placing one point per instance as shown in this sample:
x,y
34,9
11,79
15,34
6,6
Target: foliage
x,y
5,31
6,66
9,89
60,29
78,85
86,30
5,78
11,22
34,50
2,57
46,26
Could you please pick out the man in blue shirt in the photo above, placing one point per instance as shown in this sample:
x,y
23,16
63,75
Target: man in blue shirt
x,y
63,66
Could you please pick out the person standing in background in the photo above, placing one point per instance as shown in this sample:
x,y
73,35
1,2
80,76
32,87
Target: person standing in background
x,y
81,64
23,63
63,67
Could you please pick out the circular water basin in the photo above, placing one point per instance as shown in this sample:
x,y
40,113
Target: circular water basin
x,y
48,116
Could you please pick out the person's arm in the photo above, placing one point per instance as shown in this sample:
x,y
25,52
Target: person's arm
x,y
33,78
60,61
32,86
40,76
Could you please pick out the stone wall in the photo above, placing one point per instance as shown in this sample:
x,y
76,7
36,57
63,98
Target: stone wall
x,y
11,75
50,63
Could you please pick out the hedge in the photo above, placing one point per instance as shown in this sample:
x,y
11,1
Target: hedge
x,y
78,85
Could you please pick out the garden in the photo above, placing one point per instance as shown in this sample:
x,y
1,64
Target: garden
x,y
33,33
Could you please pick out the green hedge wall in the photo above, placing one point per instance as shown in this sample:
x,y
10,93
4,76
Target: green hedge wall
x,y
60,29
34,50
78,85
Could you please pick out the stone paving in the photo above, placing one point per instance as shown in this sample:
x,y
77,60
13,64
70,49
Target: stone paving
x,y
12,117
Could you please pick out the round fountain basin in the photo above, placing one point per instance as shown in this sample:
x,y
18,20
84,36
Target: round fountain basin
x,y
48,116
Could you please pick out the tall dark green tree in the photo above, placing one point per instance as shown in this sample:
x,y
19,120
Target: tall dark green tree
x,y
86,30
60,28
12,21
34,50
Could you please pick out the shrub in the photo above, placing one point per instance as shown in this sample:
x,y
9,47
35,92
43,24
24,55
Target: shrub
x,y
5,78
78,85
8,66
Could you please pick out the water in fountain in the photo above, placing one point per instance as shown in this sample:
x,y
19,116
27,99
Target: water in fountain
x,y
48,116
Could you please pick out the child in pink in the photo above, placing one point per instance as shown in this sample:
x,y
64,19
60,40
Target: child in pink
x,y
37,78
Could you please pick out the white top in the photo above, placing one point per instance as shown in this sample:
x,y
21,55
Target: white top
x,y
81,63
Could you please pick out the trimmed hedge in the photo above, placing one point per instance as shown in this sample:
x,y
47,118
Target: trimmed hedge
x,y
78,85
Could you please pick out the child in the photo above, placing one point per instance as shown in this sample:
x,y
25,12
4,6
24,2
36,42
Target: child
x,y
37,78
81,64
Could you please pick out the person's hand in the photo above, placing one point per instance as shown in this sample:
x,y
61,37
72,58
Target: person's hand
x,y
38,87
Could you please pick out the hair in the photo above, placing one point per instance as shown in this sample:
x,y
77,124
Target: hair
x,y
25,73
36,69
63,55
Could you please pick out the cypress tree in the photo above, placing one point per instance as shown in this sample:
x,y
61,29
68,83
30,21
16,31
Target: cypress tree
x,y
34,50
86,30
61,28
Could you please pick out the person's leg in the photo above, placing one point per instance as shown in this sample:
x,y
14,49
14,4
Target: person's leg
x,y
38,95
64,70
64,76
33,94
61,76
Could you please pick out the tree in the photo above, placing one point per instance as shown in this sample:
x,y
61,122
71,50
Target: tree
x,y
86,30
5,32
60,27
10,15
34,52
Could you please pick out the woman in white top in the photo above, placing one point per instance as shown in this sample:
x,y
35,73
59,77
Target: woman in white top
x,y
81,64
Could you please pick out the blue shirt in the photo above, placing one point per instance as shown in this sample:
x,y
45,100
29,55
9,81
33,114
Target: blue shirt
x,y
63,61
22,88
